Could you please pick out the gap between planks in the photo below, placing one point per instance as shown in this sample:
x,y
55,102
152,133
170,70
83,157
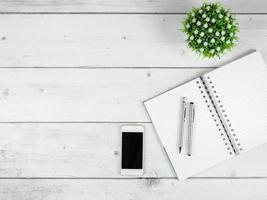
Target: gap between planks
x,y
127,178
75,122
103,67
114,13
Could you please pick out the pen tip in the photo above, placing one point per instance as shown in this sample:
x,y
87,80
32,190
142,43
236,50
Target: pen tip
x,y
189,154
180,149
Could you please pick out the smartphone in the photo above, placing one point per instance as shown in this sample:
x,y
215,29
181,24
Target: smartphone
x,y
132,150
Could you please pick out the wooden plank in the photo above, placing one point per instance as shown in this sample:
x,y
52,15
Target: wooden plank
x,y
57,95
72,150
92,150
112,41
139,6
79,95
133,189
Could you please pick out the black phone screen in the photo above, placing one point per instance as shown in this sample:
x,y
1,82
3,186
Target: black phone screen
x,y
132,150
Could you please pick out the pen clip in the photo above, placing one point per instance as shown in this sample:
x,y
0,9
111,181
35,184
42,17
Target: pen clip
x,y
192,112
184,109
193,117
184,112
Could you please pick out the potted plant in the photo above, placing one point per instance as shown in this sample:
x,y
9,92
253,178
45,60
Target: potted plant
x,y
210,30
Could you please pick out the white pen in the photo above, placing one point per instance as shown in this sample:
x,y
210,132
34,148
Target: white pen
x,y
184,115
190,127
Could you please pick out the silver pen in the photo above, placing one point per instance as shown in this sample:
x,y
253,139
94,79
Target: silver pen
x,y
190,127
184,115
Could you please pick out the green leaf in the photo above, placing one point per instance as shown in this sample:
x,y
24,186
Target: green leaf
x,y
202,24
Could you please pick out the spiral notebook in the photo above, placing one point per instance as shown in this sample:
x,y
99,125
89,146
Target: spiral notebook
x,y
230,116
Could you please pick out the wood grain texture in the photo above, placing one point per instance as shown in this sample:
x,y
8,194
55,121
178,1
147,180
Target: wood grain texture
x,y
137,6
133,189
75,95
84,95
111,41
72,150
77,151
92,150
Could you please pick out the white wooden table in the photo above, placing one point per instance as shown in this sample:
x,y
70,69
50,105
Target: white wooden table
x,y
71,72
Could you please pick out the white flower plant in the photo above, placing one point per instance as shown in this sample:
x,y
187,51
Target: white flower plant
x,y
211,30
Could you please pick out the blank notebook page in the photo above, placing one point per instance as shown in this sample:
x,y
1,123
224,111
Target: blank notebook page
x,y
208,147
242,89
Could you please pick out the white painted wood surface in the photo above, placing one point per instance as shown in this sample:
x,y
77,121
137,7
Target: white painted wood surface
x,y
74,95
111,41
125,6
72,72
92,150
133,189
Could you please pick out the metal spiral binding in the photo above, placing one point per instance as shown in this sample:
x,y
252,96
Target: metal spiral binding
x,y
226,121
215,115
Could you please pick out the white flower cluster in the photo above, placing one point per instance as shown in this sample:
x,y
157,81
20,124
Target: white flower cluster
x,y
205,31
